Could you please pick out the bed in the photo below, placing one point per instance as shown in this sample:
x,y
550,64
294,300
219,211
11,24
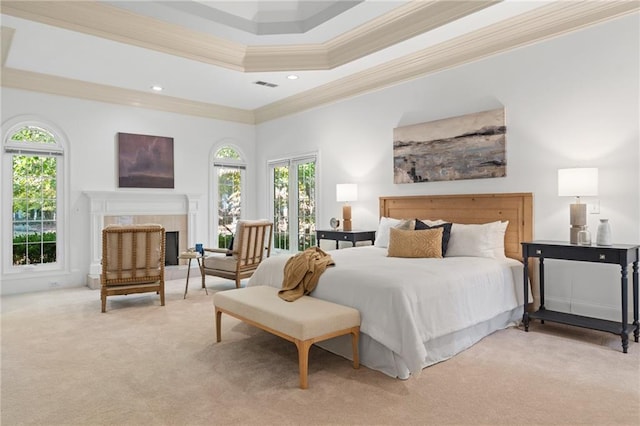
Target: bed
x,y
416,312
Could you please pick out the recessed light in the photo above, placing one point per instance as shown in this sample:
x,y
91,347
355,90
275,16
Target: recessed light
x,y
157,88
292,77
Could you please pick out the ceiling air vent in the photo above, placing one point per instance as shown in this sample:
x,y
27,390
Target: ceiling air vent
x,y
265,83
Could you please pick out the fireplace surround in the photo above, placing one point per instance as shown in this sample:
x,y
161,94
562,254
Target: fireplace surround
x,y
174,211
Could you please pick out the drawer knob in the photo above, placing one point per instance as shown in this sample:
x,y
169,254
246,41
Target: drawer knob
x,y
538,251
603,256
345,237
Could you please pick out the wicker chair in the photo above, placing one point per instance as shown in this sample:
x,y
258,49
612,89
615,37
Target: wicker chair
x,y
251,244
132,260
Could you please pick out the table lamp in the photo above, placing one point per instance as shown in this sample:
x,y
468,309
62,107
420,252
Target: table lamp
x,y
579,182
346,192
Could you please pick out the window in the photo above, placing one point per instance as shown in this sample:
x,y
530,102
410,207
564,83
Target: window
x,y
33,162
293,200
229,174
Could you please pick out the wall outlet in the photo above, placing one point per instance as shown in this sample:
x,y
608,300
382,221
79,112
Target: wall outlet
x,y
594,207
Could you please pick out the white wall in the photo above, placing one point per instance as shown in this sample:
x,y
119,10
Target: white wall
x,y
570,102
91,129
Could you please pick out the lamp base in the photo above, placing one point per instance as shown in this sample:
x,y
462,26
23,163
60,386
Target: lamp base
x,y
578,220
578,214
573,233
346,217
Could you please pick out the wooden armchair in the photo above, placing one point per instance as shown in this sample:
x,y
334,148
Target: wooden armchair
x,y
132,260
251,244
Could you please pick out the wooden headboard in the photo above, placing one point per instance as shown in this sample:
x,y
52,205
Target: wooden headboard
x,y
517,208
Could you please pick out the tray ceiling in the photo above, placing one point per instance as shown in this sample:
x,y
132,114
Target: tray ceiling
x,y
208,55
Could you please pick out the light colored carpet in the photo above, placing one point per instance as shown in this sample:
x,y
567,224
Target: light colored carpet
x,y
65,363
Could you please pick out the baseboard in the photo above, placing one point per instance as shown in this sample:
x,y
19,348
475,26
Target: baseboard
x,y
93,281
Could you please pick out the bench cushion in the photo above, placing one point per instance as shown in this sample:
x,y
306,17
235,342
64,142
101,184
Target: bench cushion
x,y
303,319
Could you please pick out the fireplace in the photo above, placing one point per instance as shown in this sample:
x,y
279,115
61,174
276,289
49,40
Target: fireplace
x,y
172,248
175,212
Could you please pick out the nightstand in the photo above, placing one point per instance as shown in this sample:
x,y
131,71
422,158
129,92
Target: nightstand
x,y
621,254
352,236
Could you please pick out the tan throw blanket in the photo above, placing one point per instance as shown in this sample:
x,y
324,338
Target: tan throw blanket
x,y
302,272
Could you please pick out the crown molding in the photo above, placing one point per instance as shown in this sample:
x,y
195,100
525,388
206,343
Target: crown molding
x,y
412,19
532,27
120,25
37,82
406,21
535,26
7,38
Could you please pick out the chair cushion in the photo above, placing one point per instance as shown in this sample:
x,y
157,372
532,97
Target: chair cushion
x,y
241,240
155,239
221,263
240,228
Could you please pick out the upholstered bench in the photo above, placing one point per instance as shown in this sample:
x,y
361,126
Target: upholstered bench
x,y
303,322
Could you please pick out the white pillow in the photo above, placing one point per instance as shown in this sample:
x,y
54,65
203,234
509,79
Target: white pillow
x,y
482,240
386,223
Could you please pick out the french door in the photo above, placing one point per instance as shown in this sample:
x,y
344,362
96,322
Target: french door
x,y
293,184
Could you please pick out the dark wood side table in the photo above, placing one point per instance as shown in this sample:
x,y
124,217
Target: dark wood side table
x,y
353,236
621,254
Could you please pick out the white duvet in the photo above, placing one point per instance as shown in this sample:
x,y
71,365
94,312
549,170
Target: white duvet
x,y
406,303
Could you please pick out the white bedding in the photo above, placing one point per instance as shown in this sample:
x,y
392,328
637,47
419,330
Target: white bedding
x,y
411,307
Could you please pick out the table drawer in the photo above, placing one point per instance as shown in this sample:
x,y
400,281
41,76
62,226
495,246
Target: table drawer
x,y
581,253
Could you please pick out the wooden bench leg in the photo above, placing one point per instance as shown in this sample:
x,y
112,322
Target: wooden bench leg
x,y
303,361
355,334
218,325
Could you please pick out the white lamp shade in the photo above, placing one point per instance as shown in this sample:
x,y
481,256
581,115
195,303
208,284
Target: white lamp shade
x,y
346,192
580,182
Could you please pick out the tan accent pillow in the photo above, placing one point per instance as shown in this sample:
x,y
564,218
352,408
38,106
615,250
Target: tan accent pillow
x,y
423,243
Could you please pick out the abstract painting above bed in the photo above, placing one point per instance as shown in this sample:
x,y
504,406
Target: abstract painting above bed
x,y
470,146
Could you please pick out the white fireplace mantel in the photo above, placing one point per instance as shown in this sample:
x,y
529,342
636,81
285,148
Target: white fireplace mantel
x,y
116,203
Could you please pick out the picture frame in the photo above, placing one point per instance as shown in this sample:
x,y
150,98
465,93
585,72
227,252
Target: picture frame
x,y
471,146
145,161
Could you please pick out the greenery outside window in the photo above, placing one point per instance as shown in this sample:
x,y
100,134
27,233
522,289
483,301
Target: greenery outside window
x,y
229,172
33,160
293,200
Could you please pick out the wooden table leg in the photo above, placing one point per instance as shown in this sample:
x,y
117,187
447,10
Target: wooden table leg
x,y
186,287
202,274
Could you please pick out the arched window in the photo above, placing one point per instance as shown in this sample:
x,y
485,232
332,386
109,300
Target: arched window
x,y
33,173
229,192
